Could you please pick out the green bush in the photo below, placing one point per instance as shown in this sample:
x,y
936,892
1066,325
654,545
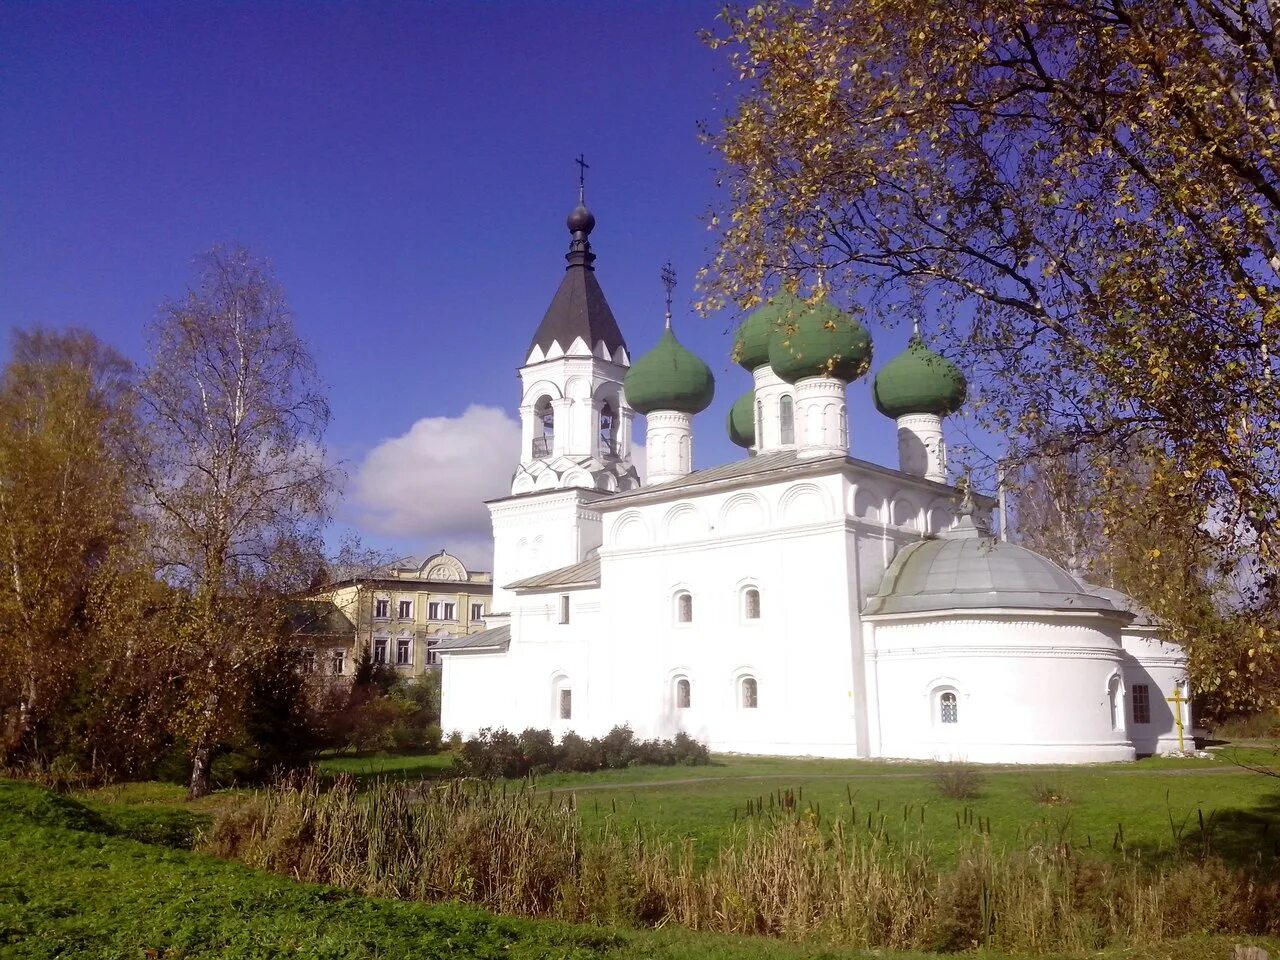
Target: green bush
x,y
500,753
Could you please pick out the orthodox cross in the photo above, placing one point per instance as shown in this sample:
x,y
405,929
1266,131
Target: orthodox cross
x,y
668,281
583,167
1178,700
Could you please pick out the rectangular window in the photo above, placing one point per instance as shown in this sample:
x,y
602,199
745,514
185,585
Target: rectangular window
x,y
433,658
564,608
451,611
380,650
406,610
382,608
477,611
404,652
433,610
339,662
307,661
1141,703
566,704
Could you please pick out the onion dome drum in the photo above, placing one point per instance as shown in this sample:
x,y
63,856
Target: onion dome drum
x,y
669,377
822,341
742,420
919,381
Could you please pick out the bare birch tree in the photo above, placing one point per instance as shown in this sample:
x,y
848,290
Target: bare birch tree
x,y
237,478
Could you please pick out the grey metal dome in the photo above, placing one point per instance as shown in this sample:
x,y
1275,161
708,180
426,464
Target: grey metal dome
x,y
1142,617
965,570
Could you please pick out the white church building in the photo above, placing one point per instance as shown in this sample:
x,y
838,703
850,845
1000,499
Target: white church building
x,y
798,601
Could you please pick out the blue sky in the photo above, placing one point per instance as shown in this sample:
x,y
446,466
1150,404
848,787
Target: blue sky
x,y
407,168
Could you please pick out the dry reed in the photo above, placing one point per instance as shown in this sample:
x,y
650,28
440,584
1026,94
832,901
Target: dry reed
x,y
787,873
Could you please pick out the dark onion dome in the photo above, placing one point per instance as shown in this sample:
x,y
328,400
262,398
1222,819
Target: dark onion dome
x,y
580,220
751,347
823,341
669,377
918,381
742,420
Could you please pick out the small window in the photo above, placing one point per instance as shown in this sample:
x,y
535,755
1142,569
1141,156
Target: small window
x,y
433,658
307,661
339,662
380,650
564,608
682,694
751,604
684,608
433,610
382,608
1141,703
404,652
750,693
406,610
566,704
786,419
451,611
948,708
477,611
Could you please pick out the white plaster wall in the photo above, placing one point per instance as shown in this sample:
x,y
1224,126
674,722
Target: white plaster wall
x,y
1161,666
538,532
1031,688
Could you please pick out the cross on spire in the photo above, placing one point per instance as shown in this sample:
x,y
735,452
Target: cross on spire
x,y
583,166
668,275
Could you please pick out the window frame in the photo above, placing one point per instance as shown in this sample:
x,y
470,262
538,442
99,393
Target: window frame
x,y
786,419
379,656
744,603
1141,697
748,682
382,608
401,607
682,693
404,645
564,608
564,702
338,661
948,702
450,610
682,607
477,611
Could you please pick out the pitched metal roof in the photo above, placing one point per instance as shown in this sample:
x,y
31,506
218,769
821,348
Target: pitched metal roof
x,y
318,618
496,640
579,308
583,574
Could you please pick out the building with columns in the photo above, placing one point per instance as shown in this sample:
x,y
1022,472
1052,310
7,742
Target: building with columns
x,y
799,600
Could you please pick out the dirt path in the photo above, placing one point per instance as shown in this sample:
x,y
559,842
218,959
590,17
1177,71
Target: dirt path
x,y
887,775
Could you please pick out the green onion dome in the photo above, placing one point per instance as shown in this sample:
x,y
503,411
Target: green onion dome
x,y
669,377
742,420
751,347
918,381
823,341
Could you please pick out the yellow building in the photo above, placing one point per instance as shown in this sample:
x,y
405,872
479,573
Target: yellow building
x,y
400,613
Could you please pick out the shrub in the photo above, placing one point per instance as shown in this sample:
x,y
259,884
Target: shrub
x,y
959,781
1048,794
499,753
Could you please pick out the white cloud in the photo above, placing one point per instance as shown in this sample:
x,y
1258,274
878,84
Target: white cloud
x,y
428,486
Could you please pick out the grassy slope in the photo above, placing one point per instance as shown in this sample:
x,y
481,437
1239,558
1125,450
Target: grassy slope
x,y
69,890
1241,810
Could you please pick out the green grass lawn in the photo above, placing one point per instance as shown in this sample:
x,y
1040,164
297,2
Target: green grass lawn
x,y
70,888
1149,803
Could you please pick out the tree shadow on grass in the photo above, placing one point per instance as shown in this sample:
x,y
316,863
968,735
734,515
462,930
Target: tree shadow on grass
x,y
1245,837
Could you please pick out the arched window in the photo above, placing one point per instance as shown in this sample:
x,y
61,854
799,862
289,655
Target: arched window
x,y
751,603
787,419
608,430
562,698
759,421
684,607
682,693
544,427
1114,702
748,693
948,707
